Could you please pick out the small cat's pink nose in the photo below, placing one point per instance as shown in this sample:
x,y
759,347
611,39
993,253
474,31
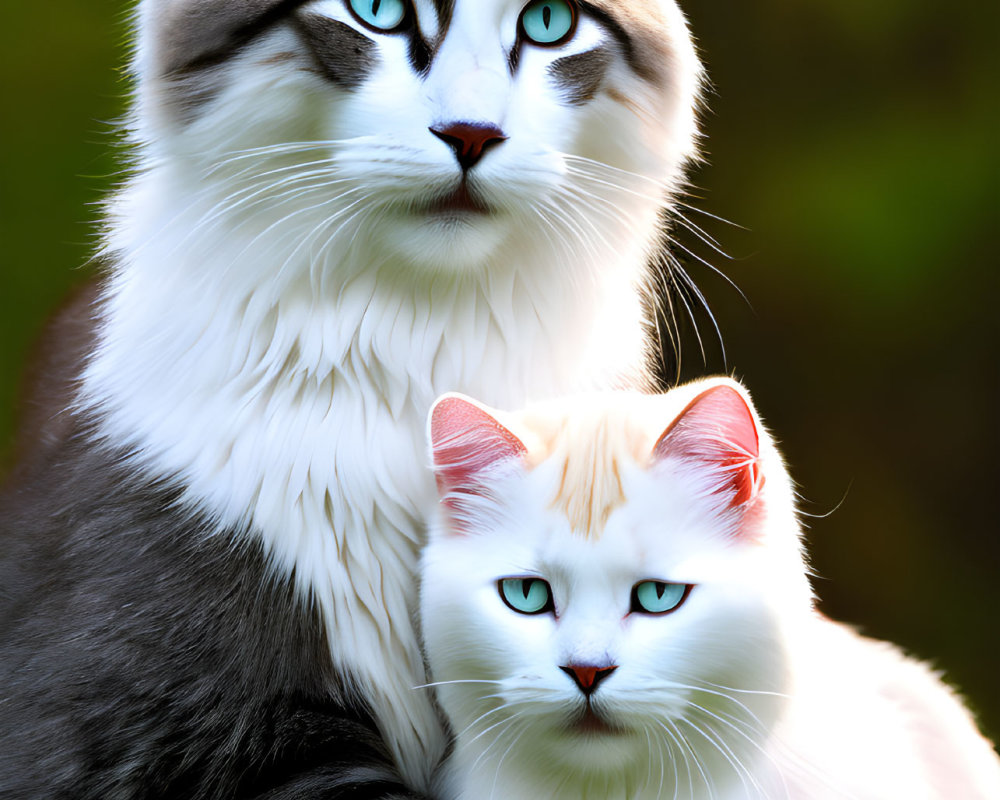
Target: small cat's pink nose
x,y
587,676
469,140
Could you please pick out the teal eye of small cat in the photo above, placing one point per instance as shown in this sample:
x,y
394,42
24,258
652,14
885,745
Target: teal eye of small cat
x,y
382,15
526,595
548,22
658,597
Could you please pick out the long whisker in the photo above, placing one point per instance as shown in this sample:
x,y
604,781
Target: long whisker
x,y
496,776
702,211
719,743
452,683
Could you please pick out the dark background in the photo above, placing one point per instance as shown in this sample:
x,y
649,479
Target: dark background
x,y
855,142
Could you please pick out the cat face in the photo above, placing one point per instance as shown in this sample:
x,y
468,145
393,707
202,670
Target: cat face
x,y
607,593
446,127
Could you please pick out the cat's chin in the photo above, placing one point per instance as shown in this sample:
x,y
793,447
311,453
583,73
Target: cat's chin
x,y
590,751
446,236
588,742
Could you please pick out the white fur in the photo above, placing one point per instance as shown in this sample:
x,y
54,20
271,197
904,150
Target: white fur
x,y
273,341
743,692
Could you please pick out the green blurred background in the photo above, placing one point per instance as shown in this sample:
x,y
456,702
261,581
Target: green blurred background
x,y
856,143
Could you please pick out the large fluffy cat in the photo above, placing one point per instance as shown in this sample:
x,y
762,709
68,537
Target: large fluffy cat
x,y
340,208
616,607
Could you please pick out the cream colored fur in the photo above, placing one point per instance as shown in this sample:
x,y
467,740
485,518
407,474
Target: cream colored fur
x,y
743,692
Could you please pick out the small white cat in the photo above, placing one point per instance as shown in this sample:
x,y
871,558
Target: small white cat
x,y
615,606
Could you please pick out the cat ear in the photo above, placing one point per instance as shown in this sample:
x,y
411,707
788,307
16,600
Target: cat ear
x,y
467,444
719,431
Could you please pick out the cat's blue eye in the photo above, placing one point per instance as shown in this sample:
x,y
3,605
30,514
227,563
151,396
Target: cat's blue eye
x,y
658,597
548,22
526,595
382,15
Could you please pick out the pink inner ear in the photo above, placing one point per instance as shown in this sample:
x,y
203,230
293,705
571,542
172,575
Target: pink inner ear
x,y
718,429
466,441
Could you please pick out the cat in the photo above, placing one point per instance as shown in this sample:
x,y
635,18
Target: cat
x,y
615,605
338,210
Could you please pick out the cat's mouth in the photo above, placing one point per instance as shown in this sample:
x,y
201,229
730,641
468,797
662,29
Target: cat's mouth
x,y
460,201
591,723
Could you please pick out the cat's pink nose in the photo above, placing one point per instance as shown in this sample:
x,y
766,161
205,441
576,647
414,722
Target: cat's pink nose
x,y
469,140
588,676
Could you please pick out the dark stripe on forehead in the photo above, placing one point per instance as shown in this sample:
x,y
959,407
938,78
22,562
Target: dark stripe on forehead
x,y
342,54
202,33
580,76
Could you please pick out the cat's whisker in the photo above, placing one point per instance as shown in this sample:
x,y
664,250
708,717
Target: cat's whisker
x,y
741,691
545,229
283,148
506,752
297,166
712,267
737,725
297,212
703,212
558,226
608,209
296,195
719,743
649,762
664,318
357,219
685,285
482,717
318,274
684,222
567,222
208,222
790,759
509,723
384,210
705,238
658,748
322,226
673,766
705,774
682,294
487,750
676,738
454,682
572,221
589,177
494,725
601,165
247,190
717,693
270,193
599,203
